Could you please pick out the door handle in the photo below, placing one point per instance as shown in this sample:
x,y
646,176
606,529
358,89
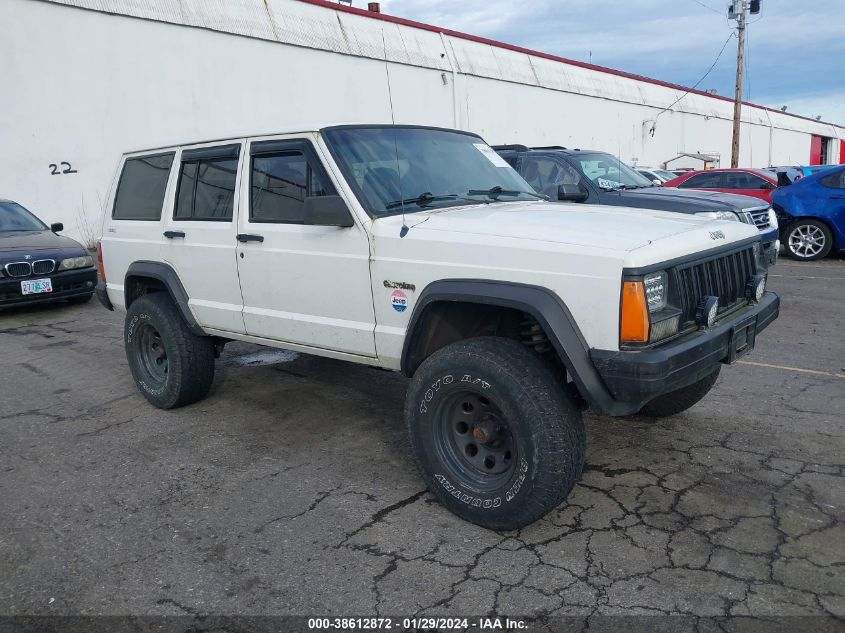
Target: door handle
x,y
246,237
171,234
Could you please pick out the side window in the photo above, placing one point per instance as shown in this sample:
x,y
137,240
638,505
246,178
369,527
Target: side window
x,y
140,191
207,184
283,175
545,175
743,180
834,181
702,181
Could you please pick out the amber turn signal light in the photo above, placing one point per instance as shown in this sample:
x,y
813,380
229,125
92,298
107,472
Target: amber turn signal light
x,y
633,323
100,268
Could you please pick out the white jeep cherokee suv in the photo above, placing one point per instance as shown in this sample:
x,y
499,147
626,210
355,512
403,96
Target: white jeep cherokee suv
x,y
420,250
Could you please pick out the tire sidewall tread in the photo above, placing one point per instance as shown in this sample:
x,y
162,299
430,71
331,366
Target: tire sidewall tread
x,y
548,426
190,357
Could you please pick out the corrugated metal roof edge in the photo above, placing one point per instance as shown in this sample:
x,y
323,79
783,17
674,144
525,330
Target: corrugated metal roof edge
x,y
572,62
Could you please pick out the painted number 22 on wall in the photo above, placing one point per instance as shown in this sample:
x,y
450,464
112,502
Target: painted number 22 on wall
x,y
66,169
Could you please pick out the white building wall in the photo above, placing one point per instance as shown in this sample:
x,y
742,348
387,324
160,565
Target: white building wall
x,y
83,86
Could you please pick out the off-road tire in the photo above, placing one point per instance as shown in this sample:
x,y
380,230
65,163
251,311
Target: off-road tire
x,y
189,358
545,428
675,402
814,228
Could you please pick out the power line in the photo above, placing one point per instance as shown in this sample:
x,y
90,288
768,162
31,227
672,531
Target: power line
x,y
703,77
708,7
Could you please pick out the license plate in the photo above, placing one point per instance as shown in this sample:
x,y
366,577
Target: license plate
x,y
743,335
36,286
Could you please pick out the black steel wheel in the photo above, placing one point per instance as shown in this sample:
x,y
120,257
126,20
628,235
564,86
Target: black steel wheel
x,y
475,441
152,354
171,365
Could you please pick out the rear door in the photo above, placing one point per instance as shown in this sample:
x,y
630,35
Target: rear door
x,y
747,184
133,232
303,284
199,233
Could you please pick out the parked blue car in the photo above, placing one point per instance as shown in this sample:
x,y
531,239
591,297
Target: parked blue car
x,y
811,214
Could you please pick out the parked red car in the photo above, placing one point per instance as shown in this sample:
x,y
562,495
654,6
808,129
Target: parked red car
x,y
747,182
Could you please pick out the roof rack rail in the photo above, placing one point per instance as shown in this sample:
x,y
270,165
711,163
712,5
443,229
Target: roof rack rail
x,y
549,147
513,148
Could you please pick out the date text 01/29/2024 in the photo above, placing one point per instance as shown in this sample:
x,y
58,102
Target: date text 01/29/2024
x,y
417,624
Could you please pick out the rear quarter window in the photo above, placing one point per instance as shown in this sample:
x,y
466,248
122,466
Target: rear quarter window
x,y
140,191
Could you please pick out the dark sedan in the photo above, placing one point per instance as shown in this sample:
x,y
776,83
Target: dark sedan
x,y
37,265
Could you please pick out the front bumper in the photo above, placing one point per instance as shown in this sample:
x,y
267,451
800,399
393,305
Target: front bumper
x,y
771,245
641,376
66,285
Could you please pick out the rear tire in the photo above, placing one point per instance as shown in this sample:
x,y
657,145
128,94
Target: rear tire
x,y
680,400
171,365
808,240
495,437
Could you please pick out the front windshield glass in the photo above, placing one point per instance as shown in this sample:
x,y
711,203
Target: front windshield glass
x,y
396,168
13,217
665,175
609,173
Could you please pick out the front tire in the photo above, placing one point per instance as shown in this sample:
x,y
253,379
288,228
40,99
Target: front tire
x,y
496,439
808,240
171,365
680,400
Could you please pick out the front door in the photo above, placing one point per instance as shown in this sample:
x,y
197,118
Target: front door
x,y
302,283
199,234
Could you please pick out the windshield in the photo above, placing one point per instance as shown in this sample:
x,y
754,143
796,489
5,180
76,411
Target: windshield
x,y
13,217
393,169
608,172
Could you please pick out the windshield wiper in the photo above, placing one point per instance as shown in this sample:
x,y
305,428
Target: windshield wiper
x,y
497,191
423,200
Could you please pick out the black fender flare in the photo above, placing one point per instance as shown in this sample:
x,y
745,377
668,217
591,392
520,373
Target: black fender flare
x,y
549,311
167,276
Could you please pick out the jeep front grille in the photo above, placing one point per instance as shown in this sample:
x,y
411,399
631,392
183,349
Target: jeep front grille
x,y
723,276
19,269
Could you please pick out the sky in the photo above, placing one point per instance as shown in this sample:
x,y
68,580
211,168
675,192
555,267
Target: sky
x,y
795,48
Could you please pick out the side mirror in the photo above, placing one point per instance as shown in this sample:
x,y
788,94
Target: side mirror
x,y
657,182
327,211
769,186
571,193
57,226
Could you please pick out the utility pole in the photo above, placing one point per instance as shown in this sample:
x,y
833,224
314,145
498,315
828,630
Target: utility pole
x,y
740,64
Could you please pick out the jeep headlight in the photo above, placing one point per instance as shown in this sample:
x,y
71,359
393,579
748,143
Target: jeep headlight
x,y
773,218
730,216
76,262
655,291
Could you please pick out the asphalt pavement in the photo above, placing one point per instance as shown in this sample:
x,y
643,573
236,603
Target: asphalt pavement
x,y
292,490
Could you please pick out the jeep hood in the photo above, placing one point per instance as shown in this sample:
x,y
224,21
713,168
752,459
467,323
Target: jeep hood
x,y
684,200
594,226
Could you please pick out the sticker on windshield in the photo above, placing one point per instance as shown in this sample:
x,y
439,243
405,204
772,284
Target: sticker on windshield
x,y
608,184
491,155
